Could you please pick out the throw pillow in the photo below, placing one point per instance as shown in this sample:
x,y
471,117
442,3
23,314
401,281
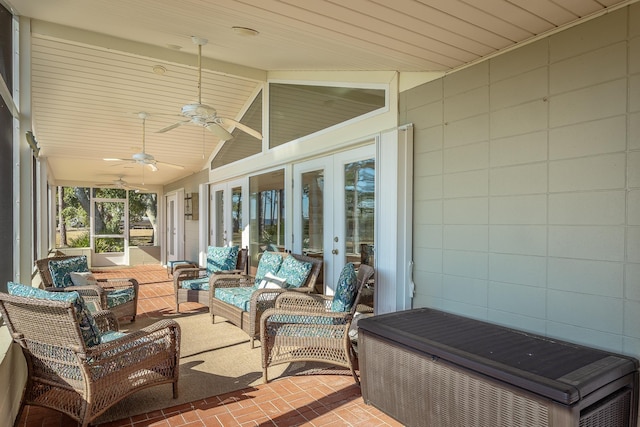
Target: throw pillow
x,y
60,270
269,263
294,272
88,327
346,290
83,278
272,282
221,258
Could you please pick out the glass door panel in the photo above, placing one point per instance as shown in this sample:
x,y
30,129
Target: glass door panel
x,y
227,217
236,216
313,212
110,232
359,196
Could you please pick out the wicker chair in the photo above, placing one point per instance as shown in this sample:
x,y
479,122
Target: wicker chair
x,y
302,328
260,299
95,295
83,381
201,294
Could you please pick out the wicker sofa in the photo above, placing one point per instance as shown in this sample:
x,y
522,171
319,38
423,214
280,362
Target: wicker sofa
x,y
236,297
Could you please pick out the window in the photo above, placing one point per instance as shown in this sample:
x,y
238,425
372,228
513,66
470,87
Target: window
x,y
242,145
299,110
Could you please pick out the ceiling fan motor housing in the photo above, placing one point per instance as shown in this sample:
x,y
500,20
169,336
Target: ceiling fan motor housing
x,y
199,112
143,158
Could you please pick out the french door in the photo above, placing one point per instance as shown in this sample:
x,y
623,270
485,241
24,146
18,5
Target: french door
x,y
333,205
172,223
228,220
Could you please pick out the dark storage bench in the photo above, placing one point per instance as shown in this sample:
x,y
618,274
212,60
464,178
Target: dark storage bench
x,y
425,367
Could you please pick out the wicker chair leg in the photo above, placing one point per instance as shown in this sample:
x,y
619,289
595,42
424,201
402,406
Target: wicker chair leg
x,y
175,389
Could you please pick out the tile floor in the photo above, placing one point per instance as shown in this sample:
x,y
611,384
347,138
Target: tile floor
x,y
314,400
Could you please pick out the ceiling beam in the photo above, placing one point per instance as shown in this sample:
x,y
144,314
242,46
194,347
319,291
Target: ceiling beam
x,y
103,41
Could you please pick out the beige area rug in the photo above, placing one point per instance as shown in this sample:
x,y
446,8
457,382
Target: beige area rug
x,y
214,359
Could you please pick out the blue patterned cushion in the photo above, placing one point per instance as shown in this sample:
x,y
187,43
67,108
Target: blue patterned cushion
x,y
201,284
295,272
88,327
111,336
239,297
60,270
221,258
120,296
270,262
346,290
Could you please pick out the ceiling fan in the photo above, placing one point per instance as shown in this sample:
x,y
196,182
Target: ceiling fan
x,y
143,158
204,115
121,183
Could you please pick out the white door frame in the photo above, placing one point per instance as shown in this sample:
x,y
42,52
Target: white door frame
x,y
227,214
334,232
174,226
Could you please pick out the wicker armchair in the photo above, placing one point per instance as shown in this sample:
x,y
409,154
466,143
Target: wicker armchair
x,y
96,295
81,381
248,318
191,284
303,328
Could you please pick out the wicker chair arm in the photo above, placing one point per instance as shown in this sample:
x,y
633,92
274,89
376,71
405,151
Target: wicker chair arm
x,y
161,335
187,273
230,281
106,321
297,301
119,283
92,294
280,321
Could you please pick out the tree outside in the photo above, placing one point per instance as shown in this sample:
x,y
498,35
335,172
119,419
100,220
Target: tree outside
x,y
73,220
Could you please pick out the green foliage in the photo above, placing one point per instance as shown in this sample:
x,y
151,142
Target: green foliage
x,y
82,241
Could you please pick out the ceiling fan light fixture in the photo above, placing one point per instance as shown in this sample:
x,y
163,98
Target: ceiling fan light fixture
x,y
245,31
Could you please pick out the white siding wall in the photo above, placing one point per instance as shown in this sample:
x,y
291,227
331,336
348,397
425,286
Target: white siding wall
x,y
527,186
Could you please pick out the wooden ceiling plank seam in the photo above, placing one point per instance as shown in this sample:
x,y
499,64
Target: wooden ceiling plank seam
x,y
311,23
547,10
353,14
478,18
506,10
419,26
452,23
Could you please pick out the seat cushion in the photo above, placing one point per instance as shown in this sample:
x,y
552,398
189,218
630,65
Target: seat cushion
x,y
294,272
120,296
88,327
111,336
61,270
200,284
222,258
239,297
346,290
270,262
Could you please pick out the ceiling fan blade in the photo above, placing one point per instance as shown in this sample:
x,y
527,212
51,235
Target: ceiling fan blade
x,y
219,131
153,167
117,160
171,165
133,187
230,122
173,126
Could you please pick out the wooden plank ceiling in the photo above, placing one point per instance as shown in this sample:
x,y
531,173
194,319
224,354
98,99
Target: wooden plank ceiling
x,y
93,63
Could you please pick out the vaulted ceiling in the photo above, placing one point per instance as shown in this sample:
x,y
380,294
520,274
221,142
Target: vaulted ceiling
x,y
96,64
